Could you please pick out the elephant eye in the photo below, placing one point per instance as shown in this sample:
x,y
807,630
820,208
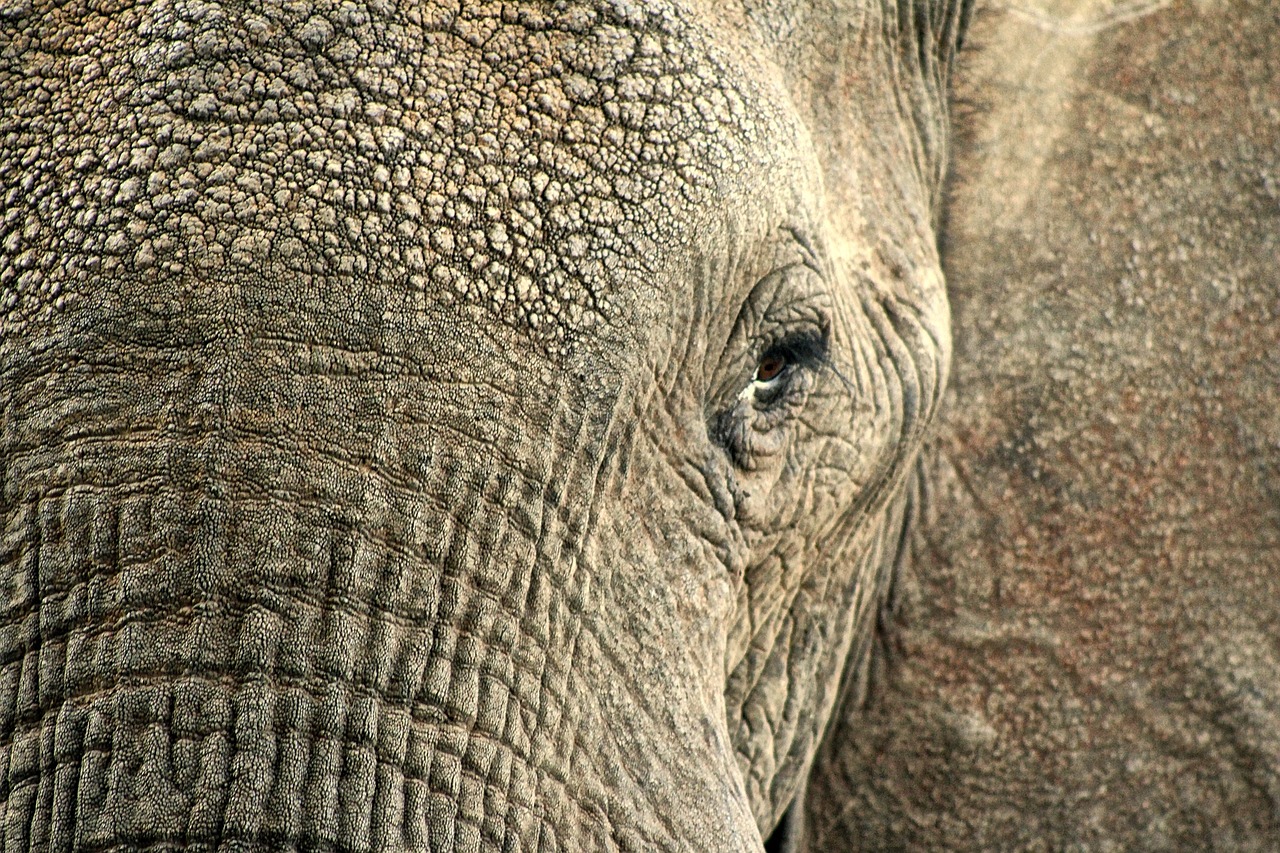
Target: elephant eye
x,y
795,351
771,366
752,426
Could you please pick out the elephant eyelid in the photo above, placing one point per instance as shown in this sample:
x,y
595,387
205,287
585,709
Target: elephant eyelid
x,y
805,349
780,362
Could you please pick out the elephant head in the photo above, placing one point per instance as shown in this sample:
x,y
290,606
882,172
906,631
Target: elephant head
x,y
452,426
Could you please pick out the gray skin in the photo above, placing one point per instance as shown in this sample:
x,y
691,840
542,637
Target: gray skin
x,y
1085,653
388,450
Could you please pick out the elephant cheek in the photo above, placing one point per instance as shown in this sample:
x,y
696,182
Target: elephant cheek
x,y
756,494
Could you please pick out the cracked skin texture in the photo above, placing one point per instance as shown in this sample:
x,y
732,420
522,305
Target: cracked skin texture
x,y
483,153
1086,653
382,464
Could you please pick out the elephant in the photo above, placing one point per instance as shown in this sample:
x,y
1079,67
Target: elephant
x,y
454,426
1080,651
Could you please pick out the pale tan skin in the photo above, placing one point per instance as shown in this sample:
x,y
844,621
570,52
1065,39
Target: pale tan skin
x,y
388,454
1085,654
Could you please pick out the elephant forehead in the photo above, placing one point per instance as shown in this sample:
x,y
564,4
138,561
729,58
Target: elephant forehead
x,y
517,158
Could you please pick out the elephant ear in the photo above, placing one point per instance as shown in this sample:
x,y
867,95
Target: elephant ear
x,y
1091,656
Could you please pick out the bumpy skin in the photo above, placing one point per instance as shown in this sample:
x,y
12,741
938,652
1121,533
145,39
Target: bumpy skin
x,y
382,462
1086,654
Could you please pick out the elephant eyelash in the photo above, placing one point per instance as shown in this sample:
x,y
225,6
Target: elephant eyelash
x,y
780,361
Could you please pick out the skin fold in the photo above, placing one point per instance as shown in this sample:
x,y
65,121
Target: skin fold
x,y
1083,654
452,426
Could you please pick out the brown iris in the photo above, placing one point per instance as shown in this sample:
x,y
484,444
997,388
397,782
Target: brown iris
x,y
770,367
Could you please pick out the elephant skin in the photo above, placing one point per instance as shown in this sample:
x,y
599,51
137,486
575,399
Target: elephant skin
x,y
1084,654
452,426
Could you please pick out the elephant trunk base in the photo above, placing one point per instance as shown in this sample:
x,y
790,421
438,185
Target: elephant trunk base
x,y
204,764
159,700
188,669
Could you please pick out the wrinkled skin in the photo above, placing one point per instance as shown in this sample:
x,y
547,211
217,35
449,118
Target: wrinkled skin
x,y
1085,652
391,454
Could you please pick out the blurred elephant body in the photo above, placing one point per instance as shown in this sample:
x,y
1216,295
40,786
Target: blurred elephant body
x,y
452,426
1085,653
